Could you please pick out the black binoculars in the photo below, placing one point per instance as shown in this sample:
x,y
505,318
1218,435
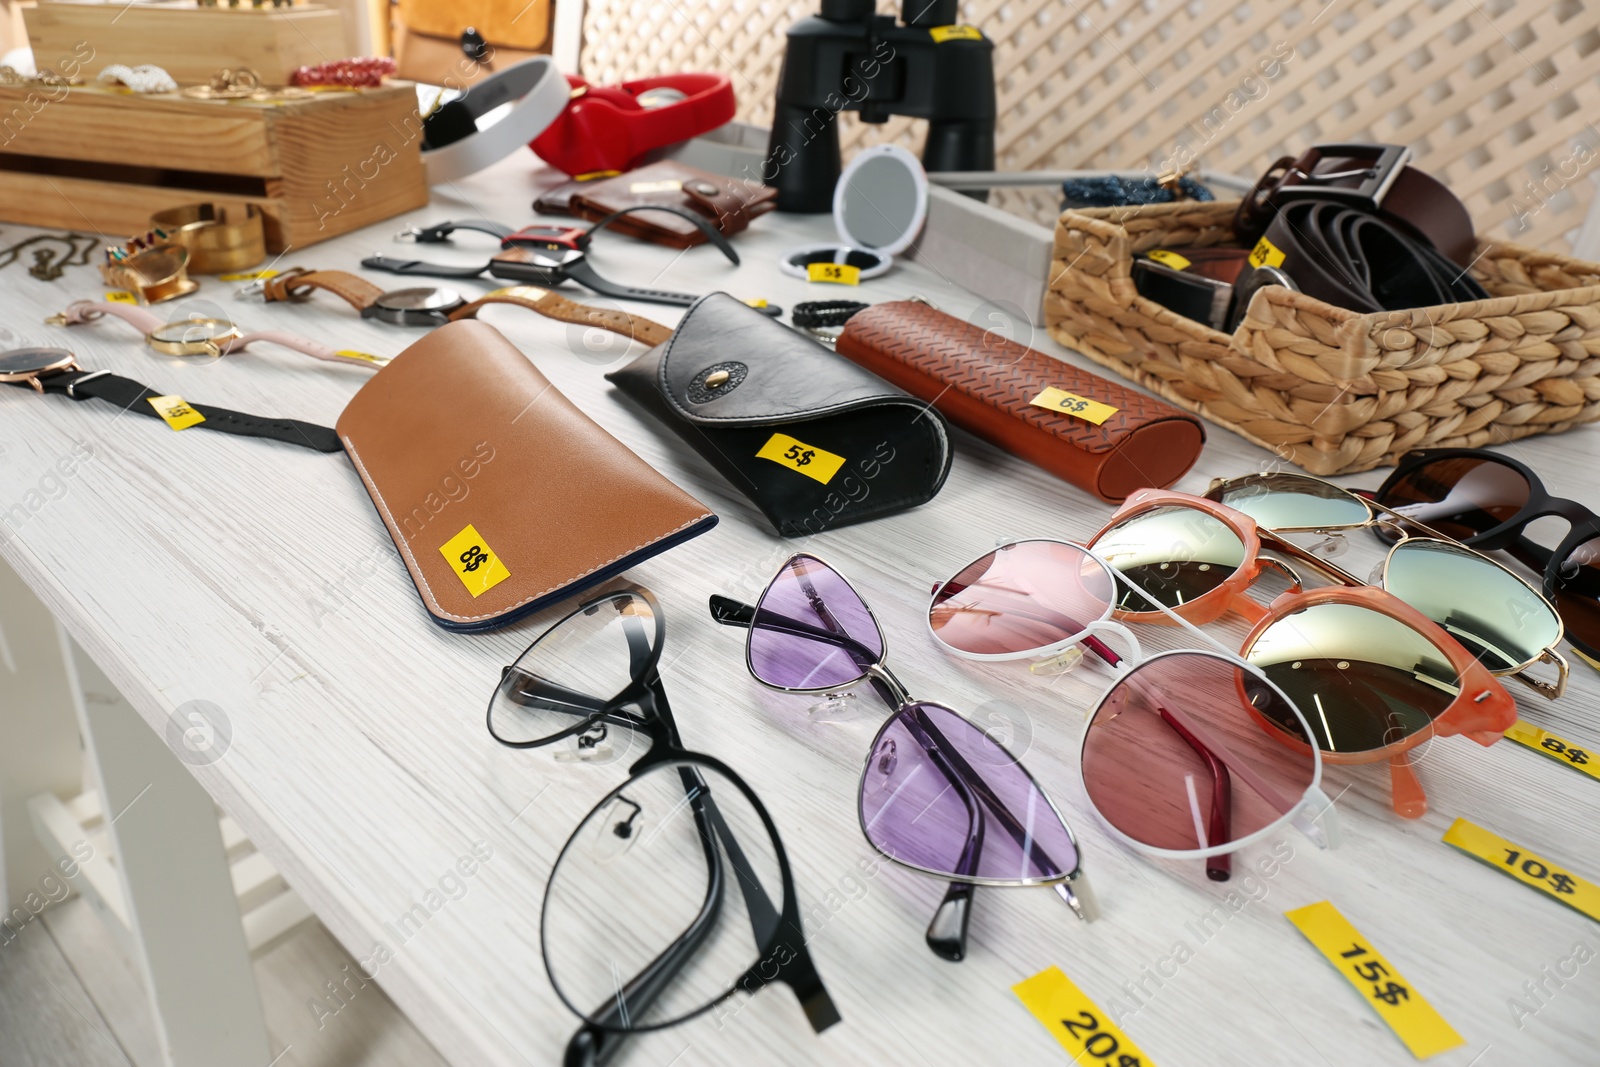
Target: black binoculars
x,y
849,58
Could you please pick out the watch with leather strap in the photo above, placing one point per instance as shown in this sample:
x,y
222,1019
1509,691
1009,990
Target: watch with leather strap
x,y
553,237
430,306
1369,177
203,336
555,306
56,370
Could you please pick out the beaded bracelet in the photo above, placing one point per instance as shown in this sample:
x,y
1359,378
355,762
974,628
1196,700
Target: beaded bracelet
x,y
357,72
825,312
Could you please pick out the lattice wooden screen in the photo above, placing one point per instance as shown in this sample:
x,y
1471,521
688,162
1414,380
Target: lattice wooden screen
x,y
1498,97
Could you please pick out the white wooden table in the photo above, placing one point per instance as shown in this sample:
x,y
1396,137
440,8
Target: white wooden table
x,y
257,577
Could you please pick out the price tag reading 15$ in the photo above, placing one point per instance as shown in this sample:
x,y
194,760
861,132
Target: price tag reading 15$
x,y
1413,1020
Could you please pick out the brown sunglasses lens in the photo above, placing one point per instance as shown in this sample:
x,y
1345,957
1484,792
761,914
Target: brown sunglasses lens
x,y
1174,554
1362,679
1460,496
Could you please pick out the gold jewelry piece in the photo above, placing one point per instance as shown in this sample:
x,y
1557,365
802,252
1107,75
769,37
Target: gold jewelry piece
x,y
12,76
216,245
155,273
242,84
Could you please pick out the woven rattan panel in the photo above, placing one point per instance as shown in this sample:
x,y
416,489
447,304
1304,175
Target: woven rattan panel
x,y
1497,97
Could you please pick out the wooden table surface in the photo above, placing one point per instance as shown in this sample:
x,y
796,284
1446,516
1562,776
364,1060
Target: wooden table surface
x,y
257,577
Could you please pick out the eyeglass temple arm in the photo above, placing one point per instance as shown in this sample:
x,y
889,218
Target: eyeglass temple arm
x,y
730,612
1218,832
550,696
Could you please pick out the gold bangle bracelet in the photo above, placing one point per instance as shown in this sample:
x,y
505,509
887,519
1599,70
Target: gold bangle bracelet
x,y
216,245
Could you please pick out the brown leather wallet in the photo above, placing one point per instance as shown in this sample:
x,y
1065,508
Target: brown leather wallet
x,y
501,496
1084,429
728,203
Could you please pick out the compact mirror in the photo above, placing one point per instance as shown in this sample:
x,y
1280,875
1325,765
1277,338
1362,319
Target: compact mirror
x,y
879,206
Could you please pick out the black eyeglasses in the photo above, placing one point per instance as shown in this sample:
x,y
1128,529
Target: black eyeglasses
x,y
675,892
937,794
1488,501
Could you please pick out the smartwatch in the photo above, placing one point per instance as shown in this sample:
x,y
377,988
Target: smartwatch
x,y
56,370
453,145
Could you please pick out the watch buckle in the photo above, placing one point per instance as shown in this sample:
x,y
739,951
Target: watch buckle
x,y
410,234
1377,177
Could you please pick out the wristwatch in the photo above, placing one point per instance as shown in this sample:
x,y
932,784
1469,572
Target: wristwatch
x,y
429,306
202,336
556,306
56,370
538,258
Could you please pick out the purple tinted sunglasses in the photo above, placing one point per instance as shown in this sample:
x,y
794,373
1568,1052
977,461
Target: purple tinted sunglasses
x,y
938,794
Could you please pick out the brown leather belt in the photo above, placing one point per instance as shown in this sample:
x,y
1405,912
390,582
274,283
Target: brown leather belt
x,y
1369,177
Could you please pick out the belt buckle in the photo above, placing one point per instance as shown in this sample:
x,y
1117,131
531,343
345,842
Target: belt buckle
x,y
1377,178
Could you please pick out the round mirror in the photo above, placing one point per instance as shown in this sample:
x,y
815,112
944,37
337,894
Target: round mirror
x,y
881,200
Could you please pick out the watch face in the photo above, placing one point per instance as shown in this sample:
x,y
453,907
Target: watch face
x,y
420,300
194,331
33,360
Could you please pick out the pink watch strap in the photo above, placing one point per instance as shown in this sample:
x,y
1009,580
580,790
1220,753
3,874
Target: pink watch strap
x,y
307,347
89,310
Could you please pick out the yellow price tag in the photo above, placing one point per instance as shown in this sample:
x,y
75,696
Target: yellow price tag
x,y
121,296
1413,1020
1168,259
1535,871
813,462
247,276
1076,1021
838,273
1053,399
756,302
474,562
1557,748
595,175
1266,254
377,361
941,34
176,411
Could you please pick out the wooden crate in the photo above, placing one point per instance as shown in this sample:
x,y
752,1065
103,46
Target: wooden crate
x,y
190,43
90,158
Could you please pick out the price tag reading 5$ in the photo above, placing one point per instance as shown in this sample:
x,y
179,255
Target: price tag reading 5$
x,y
815,463
176,411
1413,1020
474,562
1077,1022
838,273
1053,399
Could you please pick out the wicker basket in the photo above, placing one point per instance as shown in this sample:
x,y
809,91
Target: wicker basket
x,y
1331,390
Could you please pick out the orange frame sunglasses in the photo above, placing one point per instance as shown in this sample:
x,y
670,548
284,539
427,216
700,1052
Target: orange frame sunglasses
x,y
1481,708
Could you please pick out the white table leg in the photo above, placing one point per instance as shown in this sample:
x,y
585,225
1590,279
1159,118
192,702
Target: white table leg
x,y
174,870
39,753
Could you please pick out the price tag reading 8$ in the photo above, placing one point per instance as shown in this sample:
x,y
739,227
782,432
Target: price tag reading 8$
x,y
1557,748
474,562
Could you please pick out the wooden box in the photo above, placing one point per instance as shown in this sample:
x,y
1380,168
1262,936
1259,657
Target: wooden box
x,y
91,158
188,42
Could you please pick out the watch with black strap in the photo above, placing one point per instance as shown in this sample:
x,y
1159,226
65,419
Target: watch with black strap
x,y
534,258
56,370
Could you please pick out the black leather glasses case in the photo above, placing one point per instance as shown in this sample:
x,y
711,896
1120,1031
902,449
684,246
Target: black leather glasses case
x,y
813,440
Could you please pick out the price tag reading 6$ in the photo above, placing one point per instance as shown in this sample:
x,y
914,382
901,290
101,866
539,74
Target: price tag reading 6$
x,y
815,463
474,562
1053,399
838,273
1413,1020
1077,1022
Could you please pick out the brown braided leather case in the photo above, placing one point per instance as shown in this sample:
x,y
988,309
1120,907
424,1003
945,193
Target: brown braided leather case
x,y
986,384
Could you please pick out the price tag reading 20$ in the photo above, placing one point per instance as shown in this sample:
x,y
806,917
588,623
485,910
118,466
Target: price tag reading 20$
x,y
815,463
1412,1019
1077,1022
